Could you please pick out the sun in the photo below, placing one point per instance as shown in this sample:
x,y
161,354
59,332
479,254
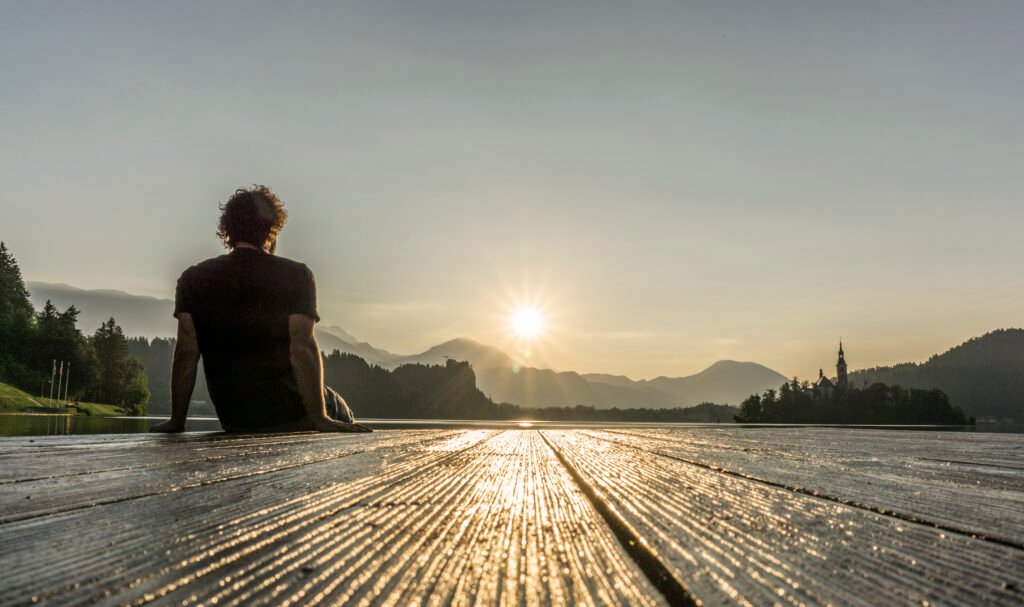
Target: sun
x,y
527,323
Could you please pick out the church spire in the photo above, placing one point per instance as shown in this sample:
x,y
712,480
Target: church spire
x,y
841,378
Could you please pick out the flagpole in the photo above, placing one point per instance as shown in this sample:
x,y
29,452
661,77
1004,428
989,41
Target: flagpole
x,y
53,374
60,380
67,382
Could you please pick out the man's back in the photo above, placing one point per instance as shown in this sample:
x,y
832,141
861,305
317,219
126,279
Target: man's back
x,y
240,303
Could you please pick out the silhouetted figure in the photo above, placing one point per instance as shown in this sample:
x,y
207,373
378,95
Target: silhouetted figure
x,y
250,315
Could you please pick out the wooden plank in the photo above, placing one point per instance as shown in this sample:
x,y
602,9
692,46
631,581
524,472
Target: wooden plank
x,y
981,448
176,465
731,540
963,481
73,456
476,517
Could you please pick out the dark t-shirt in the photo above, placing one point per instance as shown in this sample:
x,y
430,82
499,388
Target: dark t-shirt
x,y
240,303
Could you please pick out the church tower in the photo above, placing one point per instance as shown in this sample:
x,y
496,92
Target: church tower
x,y
841,379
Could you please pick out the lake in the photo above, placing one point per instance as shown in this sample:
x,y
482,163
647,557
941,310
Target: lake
x,y
41,424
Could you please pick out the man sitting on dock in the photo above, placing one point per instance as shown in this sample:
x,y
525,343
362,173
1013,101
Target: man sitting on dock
x,y
250,315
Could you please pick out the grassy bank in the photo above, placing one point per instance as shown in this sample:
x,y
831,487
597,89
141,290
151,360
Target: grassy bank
x,y
13,400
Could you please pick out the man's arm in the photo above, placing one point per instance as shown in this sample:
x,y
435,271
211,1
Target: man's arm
x,y
308,367
183,374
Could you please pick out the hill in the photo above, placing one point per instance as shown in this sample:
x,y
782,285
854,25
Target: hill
x,y
530,387
726,381
984,375
722,382
136,314
139,315
335,338
13,400
481,356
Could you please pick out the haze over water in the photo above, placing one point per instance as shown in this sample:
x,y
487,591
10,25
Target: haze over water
x,y
671,184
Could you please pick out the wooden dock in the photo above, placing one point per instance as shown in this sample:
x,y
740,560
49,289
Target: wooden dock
x,y
636,516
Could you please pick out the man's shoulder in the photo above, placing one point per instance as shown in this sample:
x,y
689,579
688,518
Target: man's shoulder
x,y
285,262
206,265
222,263
286,269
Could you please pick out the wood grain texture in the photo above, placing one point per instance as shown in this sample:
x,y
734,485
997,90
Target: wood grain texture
x,y
450,517
971,482
730,516
734,540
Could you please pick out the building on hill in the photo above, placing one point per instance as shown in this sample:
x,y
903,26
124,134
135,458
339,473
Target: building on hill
x,y
824,388
842,381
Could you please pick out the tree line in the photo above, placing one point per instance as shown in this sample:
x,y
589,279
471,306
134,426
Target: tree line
x,y
415,391
449,391
101,367
984,375
798,402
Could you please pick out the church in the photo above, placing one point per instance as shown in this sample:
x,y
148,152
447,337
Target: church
x,y
824,388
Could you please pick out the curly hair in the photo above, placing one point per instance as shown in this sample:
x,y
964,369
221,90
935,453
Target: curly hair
x,y
254,215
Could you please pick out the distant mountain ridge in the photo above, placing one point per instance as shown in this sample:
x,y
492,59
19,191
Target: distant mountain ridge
x,y
481,356
333,338
137,314
141,315
725,382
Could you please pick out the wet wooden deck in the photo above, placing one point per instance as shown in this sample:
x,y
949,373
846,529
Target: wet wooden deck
x,y
808,516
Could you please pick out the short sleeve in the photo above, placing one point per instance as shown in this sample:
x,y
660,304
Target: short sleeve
x,y
183,300
305,299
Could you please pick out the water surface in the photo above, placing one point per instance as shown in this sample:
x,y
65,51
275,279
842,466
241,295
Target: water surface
x,y
37,424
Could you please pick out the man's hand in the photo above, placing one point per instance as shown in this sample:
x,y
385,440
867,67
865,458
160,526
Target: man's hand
x,y
333,425
171,426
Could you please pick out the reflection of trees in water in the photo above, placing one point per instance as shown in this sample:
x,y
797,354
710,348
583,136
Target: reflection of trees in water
x,y
19,424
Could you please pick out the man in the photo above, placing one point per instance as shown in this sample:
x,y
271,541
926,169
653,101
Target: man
x,y
250,315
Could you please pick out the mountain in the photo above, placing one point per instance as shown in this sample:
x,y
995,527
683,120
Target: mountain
x,y
340,333
481,356
530,387
612,380
497,375
140,315
137,314
725,382
984,375
333,338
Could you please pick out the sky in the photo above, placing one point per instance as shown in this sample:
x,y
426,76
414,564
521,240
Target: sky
x,y
669,183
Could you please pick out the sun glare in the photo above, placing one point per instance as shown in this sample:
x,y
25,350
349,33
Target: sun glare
x,y
527,323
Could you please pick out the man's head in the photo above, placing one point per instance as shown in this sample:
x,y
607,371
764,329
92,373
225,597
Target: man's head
x,y
252,215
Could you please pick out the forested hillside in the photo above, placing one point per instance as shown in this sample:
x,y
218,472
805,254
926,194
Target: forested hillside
x,y
101,369
984,375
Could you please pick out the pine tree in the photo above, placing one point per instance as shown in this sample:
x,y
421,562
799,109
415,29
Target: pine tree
x,y
120,378
13,294
16,320
57,338
111,350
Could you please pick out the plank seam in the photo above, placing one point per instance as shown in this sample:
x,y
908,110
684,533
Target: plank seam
x,y
910,518
106,502
231,453
321,516
636,546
